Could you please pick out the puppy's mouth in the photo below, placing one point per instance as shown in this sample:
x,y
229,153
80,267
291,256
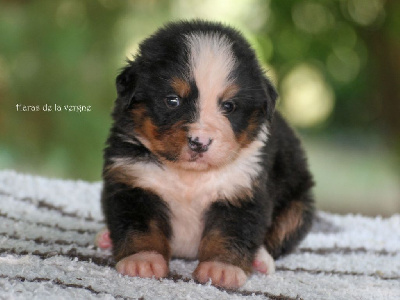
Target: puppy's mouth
x,y
194,156
192,160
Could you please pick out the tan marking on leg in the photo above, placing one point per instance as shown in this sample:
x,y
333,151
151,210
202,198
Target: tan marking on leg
x,y
152,241
214,247
285,224
290,220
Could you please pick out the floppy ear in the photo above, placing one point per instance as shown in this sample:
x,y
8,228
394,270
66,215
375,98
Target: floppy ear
x,y
271,95
126,84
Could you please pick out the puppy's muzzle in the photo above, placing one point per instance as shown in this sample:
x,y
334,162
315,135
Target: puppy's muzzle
x,y
199,146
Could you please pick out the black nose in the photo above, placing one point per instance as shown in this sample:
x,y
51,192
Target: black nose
x,y
197,146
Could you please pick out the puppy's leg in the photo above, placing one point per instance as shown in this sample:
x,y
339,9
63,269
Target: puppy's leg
x,y
139,230
289,226
230,240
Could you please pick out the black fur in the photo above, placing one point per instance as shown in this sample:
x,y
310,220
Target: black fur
x,y
284,179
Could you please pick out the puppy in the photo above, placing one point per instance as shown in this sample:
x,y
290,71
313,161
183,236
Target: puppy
x,y
198,164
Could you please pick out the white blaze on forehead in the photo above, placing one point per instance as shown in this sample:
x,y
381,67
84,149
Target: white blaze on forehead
x,y
211,63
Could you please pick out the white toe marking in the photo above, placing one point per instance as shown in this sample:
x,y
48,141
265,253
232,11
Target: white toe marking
x,y
264,262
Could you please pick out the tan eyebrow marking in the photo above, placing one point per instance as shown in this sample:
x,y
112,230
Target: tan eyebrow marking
x,y
180,86
230,92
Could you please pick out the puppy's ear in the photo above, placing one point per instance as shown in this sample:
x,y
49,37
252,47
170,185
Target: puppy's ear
x,y
126,84
271,95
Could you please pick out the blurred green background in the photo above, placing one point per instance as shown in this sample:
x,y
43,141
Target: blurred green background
x,y
336,64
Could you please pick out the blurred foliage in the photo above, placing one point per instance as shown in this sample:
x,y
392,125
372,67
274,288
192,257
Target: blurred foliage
x,y
68,52
356,46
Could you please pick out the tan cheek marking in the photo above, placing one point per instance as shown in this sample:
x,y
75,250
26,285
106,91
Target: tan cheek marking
x,y
215,247
144,127
153,240
149,130
180,86
139,114
244,138
173,140
168,143
285,224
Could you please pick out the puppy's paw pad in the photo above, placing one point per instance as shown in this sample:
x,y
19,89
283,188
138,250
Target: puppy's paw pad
x,y
221,274
103,239
263,262
143,264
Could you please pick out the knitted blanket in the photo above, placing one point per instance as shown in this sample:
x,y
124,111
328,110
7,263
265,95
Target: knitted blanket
x,y
47,229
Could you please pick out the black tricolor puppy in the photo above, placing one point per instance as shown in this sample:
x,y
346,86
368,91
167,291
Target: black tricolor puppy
x,y
198,164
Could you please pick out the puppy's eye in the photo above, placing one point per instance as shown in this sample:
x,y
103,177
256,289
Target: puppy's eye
x,y
172,101
228,107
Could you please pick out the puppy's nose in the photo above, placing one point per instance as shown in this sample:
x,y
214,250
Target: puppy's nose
x,y
199,145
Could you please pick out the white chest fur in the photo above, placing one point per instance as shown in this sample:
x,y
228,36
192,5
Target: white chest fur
x,y
187,227
190,193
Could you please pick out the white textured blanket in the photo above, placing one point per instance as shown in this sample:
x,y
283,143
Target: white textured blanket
x,y
47,228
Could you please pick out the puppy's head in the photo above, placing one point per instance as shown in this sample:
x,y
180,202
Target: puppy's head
x,y
195,95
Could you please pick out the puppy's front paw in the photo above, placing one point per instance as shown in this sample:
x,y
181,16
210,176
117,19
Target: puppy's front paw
x,y
263,262
103,239
221,274
143,264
